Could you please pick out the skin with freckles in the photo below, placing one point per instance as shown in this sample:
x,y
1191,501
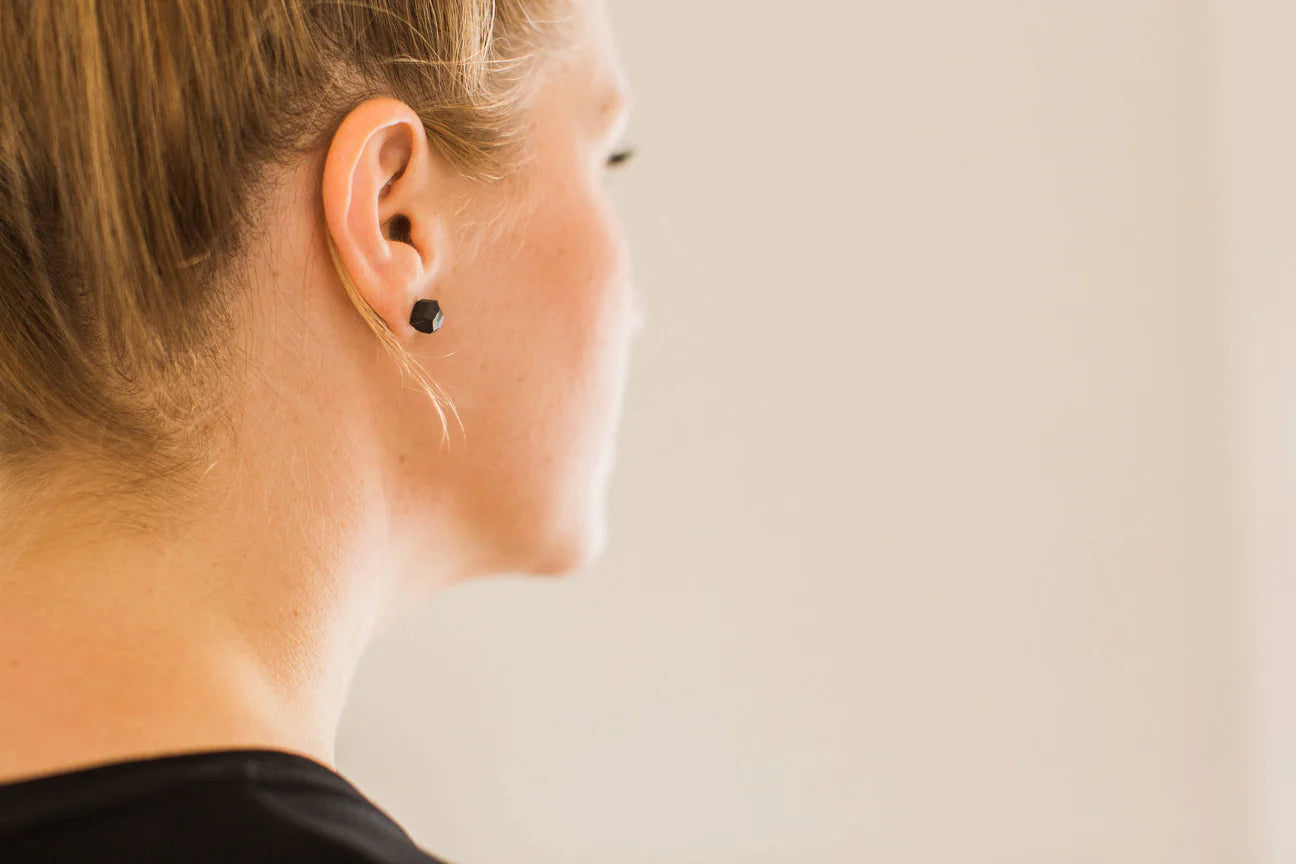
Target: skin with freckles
x,y
336,503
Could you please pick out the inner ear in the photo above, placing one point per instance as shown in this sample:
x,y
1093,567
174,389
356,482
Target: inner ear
x,y
398,229
387,186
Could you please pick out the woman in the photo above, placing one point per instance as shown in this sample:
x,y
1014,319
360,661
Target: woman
x,y
231,233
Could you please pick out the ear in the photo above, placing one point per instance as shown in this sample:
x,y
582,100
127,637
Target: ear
x,y
381,191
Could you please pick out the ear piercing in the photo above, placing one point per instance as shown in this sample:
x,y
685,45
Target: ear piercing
x,y
427,316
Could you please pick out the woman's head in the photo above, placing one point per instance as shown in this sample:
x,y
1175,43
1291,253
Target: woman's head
x,y
216,218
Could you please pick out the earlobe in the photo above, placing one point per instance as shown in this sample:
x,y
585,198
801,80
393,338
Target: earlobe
x,y
379,208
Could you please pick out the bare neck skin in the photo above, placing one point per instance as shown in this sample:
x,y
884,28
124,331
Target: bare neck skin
x,y
115,647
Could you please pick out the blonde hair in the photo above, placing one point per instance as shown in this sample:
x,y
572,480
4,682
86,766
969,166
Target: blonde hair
x,y
136,139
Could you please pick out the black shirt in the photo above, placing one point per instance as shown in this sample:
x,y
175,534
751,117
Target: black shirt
x,y
225,806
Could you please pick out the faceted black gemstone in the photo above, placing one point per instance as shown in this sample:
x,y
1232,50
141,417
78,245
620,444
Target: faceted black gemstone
x,y
427,317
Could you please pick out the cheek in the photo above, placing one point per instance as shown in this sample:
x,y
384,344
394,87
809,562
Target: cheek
x,y
539,323
576,283
552,309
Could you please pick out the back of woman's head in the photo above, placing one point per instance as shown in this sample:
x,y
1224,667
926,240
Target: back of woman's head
x,y
136,140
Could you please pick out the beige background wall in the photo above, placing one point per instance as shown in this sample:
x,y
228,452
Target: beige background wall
x,y
1257,227
925,540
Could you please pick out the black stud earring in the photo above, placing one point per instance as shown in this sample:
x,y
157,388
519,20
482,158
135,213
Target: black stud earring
x,y
427,317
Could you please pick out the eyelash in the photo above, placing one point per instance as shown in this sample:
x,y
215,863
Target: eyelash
x,y
620,157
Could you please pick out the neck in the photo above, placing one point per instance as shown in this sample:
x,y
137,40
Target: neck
x,y
243,629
